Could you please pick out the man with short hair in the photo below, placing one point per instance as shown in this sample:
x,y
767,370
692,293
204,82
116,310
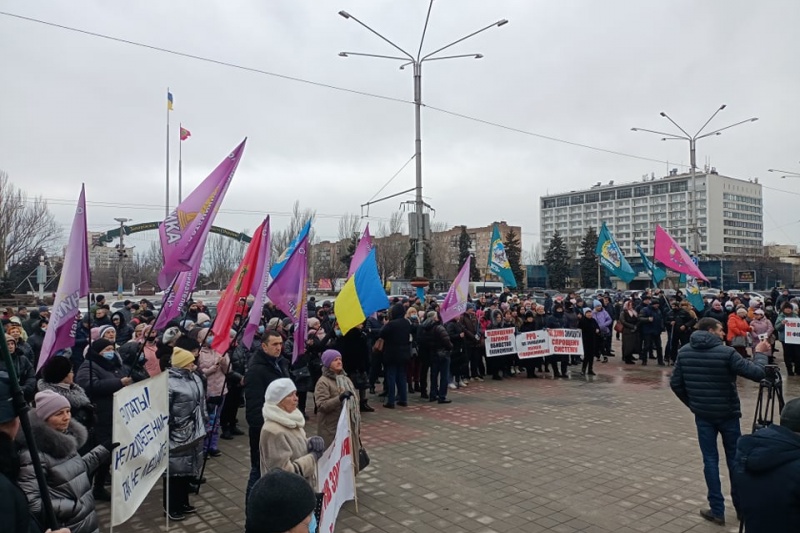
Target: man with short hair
x,y
266,366
767,474
704,379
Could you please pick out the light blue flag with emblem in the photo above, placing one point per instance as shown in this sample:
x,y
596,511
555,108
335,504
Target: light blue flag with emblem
x,y
498,261
657,273
284,257
693,290
610,256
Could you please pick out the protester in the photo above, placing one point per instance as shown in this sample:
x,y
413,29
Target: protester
x,y
651,322
556,321
281,502
187,423
266,366
23,368
704,378
791,352
333,388
58,438
767,475
396,335
124,332
604,322
760,329
591,334
283,442
214,367
57,376
101,375
631,340
355,360
472,343
738,331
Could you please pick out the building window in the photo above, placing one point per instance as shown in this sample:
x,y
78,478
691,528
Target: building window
x,y
660,188
678,186
592,197
641,190
607,195
548,203
624,193
561,202
576,200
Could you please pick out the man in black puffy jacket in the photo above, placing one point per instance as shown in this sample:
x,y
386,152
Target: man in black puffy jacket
x,y
767,474
705,380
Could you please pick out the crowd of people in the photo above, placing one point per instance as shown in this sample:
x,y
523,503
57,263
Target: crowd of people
x,y
407,349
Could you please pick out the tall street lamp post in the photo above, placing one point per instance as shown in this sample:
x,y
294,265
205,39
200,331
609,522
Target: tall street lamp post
x,y
416,61
786,173
694,230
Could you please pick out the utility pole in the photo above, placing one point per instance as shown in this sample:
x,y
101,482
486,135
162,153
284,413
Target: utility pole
x,y
121,255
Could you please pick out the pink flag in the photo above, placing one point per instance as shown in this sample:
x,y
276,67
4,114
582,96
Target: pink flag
x,y
288,292
184,230
673,256
234,298
174,300
362,251
259,288
73,285
455,303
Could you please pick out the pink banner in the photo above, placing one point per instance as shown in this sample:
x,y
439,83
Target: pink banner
x,y
184,230
673,256
73,285
259,287
455,303
362,251
288,292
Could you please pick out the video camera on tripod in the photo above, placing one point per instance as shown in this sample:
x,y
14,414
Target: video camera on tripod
x,y
770,389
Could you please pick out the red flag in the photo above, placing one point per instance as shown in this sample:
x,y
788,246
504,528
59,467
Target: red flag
x,y
185,134
235,296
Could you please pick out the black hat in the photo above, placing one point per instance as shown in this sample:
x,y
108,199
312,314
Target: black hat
x,y
99,345
278,502
790,415
7,412
56,369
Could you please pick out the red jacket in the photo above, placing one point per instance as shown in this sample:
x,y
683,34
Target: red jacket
x,y
737,326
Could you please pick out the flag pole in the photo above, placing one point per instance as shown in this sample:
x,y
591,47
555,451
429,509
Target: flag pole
x,y
180,163
166,203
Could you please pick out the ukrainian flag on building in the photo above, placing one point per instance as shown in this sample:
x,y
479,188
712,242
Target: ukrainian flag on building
x,y
361,296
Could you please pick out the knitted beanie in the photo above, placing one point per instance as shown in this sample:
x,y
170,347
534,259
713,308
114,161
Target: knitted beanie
x,y
56,369
49,403
328,356
278,502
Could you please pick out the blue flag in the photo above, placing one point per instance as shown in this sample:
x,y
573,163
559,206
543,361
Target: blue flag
x,y
278,266
693,293
611,257
498,261
656,273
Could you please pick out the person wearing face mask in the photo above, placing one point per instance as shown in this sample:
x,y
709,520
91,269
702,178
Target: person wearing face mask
x,y
101,375
57,376
281,502
36,338
738,331
58,437
187,431
26,374
557,321
704,379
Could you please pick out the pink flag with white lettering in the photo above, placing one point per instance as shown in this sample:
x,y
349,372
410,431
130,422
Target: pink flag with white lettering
x,y
259,288
455,303
73,285
362,251
673,256
288,292
186,227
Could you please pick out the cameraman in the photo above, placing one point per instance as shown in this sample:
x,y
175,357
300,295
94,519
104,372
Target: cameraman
x,y
767,473
704,379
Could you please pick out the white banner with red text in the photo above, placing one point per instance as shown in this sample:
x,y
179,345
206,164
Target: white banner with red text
x,y
532,344
336,473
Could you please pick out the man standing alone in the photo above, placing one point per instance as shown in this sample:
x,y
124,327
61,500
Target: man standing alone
x,y
705,380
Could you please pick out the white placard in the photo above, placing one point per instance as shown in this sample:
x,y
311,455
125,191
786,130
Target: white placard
x,y
500,342
336,473
141,426
566,341
532,344
792,330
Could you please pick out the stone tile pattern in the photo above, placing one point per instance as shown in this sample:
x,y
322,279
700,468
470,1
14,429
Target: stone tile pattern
x,y
613,453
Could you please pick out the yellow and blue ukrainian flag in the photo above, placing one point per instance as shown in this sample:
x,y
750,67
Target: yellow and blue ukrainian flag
x,y
361,296
169,100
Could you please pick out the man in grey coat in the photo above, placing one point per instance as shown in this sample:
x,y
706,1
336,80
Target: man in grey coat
x,y
704,379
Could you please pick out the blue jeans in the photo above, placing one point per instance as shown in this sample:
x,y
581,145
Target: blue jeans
x,y
440,376
707,431
396,383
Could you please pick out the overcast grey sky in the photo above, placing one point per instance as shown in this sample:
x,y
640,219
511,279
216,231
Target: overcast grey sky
x,y
77,108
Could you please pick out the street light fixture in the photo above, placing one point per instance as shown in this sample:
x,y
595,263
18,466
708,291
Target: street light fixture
x,y
417,61
693,160
121,254
787,173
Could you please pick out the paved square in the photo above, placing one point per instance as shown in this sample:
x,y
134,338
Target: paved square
x,y
614,453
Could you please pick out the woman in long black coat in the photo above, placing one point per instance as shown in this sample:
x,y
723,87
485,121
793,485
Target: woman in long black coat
x,y
631,338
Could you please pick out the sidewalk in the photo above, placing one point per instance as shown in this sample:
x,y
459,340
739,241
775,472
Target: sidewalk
x,y
613,453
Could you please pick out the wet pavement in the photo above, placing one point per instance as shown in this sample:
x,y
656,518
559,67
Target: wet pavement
x,y
615,452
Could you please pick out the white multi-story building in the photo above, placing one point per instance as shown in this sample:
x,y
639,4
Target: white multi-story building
x,y
729,213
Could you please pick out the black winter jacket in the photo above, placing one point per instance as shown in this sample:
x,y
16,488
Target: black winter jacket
x,y
262,371
705,374
767,475
396,335
100,379
26,374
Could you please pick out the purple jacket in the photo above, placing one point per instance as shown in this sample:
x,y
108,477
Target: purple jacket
x,y
604,320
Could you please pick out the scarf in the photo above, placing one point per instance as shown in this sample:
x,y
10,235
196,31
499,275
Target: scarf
x,y
292,420
344,383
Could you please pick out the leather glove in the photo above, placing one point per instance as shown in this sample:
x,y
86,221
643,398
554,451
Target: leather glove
x,y
108,445
316,445
346,395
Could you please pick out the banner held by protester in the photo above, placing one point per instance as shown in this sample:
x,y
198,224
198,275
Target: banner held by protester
x,y
336,473
500,342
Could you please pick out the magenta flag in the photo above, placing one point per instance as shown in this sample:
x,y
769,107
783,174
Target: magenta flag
x,y
259,288
73,285
455,303
288,292
362,251
172,304
184,230
673,256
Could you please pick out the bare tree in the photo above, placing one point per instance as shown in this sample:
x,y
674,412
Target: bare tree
x,y
282,238
26,225
533,256
145,265
444,251
222,257
349,225
391,247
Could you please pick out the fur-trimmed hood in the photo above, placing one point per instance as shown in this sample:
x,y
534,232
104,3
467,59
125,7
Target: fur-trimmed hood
x,y
55,443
